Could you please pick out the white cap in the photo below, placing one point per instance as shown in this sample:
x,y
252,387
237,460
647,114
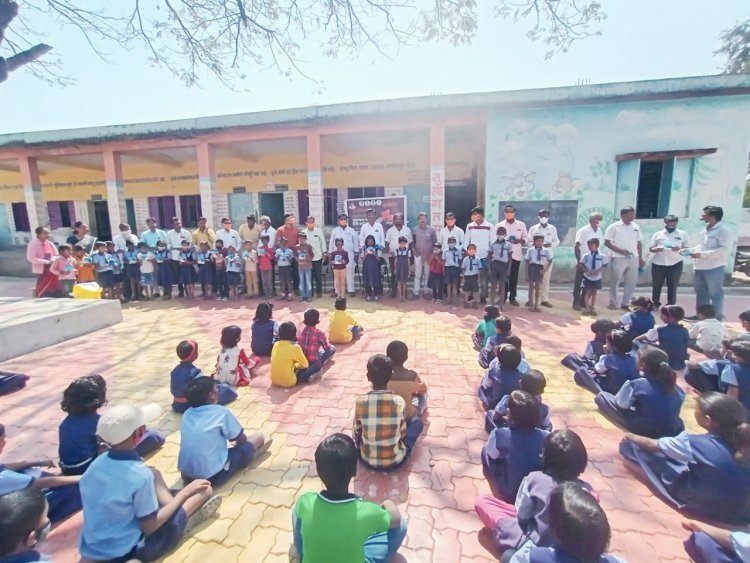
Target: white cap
x,y
118,423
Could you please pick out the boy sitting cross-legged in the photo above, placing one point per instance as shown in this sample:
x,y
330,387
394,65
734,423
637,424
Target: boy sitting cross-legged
x,y
128,510
334,521
205,430
384,436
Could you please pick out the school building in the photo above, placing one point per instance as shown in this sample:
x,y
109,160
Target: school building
x,y
663,146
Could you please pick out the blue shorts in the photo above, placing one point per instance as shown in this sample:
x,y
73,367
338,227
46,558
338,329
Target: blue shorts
x,y
147,279
591,284
106,279
161,542
233,279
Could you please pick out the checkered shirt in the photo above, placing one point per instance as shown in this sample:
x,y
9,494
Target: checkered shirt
x,y
379,426
312,340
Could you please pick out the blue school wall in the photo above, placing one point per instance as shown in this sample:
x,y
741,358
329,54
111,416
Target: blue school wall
x,y
569,154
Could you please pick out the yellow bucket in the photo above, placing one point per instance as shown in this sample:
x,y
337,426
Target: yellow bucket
x,y
88,290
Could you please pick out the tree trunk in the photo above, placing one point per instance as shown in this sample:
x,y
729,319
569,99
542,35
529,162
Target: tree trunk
x,y
23,58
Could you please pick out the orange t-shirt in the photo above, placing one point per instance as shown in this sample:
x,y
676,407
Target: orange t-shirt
x,y
84,272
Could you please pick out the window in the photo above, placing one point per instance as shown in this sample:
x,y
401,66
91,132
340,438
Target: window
x,y
21,217
359,193
130,213
162,209
190,209
330,206
61,214
654,188
303,204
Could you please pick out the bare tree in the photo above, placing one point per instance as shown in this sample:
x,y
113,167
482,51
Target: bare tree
x,y
227,38
735,47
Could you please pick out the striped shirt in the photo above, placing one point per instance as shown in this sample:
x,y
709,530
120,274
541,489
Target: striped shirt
x,y
379,426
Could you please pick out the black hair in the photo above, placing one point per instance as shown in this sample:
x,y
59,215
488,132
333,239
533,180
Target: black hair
x,y
340,304
491,312
287,215
197,390
580,524
508,356
670,217
131,243
379,370
673,313
478,210
644,302
187,348
263,312
503,324
533,381
368,237
402,239
706,310
283,239
230,336
714,211
514,340
287,331
398,352
729,418
740,347
627,209
20,513
745,316
63,247
311,317
336,461
620,340
564,455
2,433
523,410
656,366
538,237
343,216
594,240
79,247
471,246
499,229
339,240
602,327
144,245
84,395
39,230
100,244
510,206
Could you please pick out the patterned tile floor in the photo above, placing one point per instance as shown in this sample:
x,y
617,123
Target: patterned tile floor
x,y
436,490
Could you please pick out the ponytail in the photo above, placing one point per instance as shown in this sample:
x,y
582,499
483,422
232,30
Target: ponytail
x,y
656,367
728,420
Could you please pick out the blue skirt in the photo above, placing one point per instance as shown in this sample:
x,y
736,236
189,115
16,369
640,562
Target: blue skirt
x,y
187,274
206,273
166,276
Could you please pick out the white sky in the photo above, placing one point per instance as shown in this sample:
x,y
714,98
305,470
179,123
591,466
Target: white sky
x,y
643,39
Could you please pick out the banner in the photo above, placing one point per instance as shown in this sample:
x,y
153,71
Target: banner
x,y
384,207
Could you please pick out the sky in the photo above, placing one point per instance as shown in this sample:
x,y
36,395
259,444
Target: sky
x,y
642,39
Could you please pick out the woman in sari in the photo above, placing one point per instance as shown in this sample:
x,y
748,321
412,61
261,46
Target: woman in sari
x,y
40,252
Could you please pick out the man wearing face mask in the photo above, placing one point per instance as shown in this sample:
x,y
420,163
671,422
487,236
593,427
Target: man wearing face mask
x,y
667,263
351,245
120,242
551,242
516,235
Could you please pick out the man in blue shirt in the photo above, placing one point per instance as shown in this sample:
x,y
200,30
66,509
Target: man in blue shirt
x,y
206,428
128,510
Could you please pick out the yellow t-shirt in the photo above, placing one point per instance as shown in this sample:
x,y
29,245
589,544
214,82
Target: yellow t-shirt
x,y
286,358
338,329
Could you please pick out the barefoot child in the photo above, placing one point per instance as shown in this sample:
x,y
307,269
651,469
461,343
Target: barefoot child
x,y
342,328
289,366
187,352
233,367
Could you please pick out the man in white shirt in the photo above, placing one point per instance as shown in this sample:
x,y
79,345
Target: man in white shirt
x,y
551,242
517,235
391,244
267,229
372,228
351,245
316,239
174,244
451,230
228,235
120,242
481,234
623,238
583,235
666,264
710,257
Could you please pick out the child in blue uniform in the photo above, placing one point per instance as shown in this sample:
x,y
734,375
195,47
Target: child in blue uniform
x,y
709,544
512,453
705,474
649,405
132,269
371,278
185,371
10,382
206,276
671,337
187,268
613,369
470,267
727,376
263,331
164,273
502,379
503,327
205,430
78,444
525,524
24,522
486,327
639,319
594,348
581,528
534,383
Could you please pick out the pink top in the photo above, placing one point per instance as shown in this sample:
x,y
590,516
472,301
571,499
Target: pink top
x,y
64,268
40,254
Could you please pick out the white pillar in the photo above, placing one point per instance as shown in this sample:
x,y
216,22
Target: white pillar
x,y
437,175
36,207
115,190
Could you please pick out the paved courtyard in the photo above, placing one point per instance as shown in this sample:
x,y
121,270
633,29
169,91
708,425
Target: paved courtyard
x,y
436,490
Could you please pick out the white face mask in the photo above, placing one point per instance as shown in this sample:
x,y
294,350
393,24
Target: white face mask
x,y
543,220
126,234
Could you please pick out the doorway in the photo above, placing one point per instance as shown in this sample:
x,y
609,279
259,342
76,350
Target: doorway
x,y
461,199
99,218
272,204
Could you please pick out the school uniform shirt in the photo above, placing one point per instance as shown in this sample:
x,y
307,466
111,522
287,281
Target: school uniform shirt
x,y
151,238
501,251
544,422
104,262
77,440
625,237
25,557
174,241
286,358
181,375
376,230
714,246
539,256
616,369
261,337
379,425
117,491
638,322
668,257
229,238
146,260
738,375
204,433
549,232
349,235
708,334
498,382
393,234
446,233
515,229
674,340
234,263
513,453
324,527
452,257
284,257
11,481
339,327
556,555
653,404
594,349
593,261
471,266
585,234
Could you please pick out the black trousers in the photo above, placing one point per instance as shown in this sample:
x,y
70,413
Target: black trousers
x,y
577,288
511,286
317,276
295,276
670,274
175,265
